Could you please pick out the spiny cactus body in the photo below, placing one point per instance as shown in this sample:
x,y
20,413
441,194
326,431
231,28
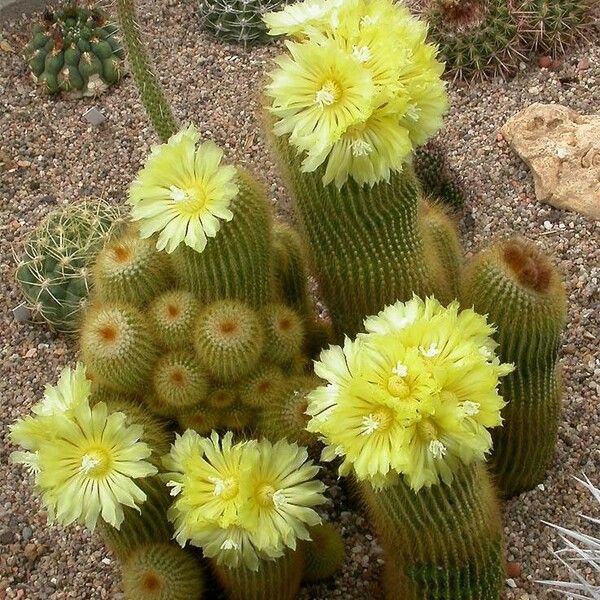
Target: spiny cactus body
x,y
262,387
324,554
523,294
75,50
443,542
476,38
284,333
163,572
203,420
54,269
238,21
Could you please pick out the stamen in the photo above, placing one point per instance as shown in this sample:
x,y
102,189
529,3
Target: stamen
x,y
470,408
360,148
430,352
437,449
400,370
361,53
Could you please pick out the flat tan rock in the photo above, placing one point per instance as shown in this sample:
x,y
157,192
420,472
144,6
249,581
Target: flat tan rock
x,y
562,149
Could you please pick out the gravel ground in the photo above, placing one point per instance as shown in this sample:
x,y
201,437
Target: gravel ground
x,y
49,155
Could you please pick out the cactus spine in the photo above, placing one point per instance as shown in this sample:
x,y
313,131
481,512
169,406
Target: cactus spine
x,y
524,296
443,542
284,333
163,572
156,105
278,578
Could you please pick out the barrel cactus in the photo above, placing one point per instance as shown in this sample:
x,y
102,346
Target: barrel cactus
x,y
53,270
75,50
237,20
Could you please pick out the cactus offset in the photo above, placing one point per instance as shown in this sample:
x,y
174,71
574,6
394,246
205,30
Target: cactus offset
x,y
524,296
74,50
203,420
284,333
262,387
53,271
324,554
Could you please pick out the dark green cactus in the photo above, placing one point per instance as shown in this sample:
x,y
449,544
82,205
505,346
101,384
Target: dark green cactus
x,y
523,294
163,572
75,50
324,554
443,542
54,268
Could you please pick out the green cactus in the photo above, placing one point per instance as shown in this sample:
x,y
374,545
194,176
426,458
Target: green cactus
x,y
238,21
284,333
262,387
74,50
236,264
365,242
154,100
476,38
236,418
324,554
117,345
163,572
148,525
443,542
179,383
552,25
54,269
285,417
131,270
228,339
173,317
221,398
524,296
203,420
275,579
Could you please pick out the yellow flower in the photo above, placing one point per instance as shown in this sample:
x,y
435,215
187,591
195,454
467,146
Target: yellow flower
x,y
296,18
182,192
241,503
413,396
318,92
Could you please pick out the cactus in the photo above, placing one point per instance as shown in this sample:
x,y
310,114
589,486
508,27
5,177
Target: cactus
x,y
284,333
117,345
524,296
237,262
203,420
324,554
443,542
236,417
179,383
74,50
222,398
172,318
476,38
163,572
148,525
53,271
286,416
238,21
228,339
278,578
552,25
156,105
262,387
131,270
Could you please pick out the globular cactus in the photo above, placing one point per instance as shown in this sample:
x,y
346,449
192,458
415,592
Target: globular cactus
x,y
203,420
117,345
262,387
324,554
163,572
236,264
75,50
443,542
238,21
222,398
552,25
54,269
131,270
236,417
172,319
179,383
520,290
228,339
284,333
476,38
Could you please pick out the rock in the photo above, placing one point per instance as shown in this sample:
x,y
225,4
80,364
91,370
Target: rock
x,y
562,149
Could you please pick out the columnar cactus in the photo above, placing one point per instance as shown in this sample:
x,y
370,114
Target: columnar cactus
x,y
522,293
75,50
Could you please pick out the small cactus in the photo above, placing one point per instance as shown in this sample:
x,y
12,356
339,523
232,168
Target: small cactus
x,y
54,269
203,420
74,50
284,333
262,387
238,21
324,554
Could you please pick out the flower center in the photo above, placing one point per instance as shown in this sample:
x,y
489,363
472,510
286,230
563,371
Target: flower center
x,y
328,94
95,463
226,489
361,148
380,420
430,352
264,495
361,53
191,200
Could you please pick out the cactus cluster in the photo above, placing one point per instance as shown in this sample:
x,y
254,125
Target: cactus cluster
x,y
238,21
54,269
75,50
